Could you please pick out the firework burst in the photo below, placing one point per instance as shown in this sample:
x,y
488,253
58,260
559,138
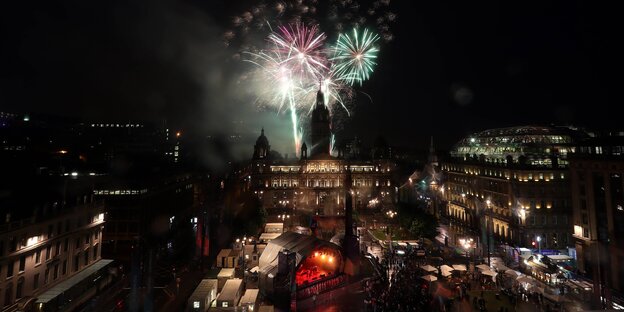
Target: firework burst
x,y
300,48
296,63
355,56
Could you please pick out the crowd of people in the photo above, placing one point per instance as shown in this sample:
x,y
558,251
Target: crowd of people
x,y
402,290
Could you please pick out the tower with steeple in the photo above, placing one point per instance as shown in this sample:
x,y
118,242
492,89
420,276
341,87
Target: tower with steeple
x,y
262,147
320,135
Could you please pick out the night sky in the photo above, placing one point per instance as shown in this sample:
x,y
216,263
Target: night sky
x,y
452,69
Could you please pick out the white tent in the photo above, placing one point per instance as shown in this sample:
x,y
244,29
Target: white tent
x,y
428,268
446,270
430,278
483,267
501,267
525,279
459,267
445,267
512,273
489,272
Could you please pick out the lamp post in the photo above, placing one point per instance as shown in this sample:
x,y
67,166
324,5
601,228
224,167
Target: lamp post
x,y
390,215
539,245
243,242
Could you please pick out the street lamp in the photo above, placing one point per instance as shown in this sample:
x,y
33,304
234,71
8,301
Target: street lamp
x,y
390,214
539,245
242,243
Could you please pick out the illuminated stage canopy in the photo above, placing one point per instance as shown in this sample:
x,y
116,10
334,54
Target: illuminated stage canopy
x,y
316,261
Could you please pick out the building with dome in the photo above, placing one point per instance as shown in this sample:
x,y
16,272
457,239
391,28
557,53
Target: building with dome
x,y
513,183
313,182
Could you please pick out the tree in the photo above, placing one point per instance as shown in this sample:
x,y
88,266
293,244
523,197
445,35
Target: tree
x,y
424,225
419,223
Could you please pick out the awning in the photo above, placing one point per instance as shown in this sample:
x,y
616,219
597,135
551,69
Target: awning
x,y
67,284
560,257
489,272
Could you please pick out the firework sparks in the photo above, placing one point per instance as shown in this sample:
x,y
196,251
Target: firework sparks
x,y
296,63
300,48
355,56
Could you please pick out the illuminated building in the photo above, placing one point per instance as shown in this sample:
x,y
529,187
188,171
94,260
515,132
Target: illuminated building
x,y
513,184
314,182
596,171
50,231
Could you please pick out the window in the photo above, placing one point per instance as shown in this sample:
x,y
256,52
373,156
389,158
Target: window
x,y
533,220
46,276
95,252
544,220
76,263
78,243
8,295
554,218
56,271
48,252
58,248
584,218
36,281
19,290
64,267
66,246
12,244
38,256
10,268
22,263
50,230
86,257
